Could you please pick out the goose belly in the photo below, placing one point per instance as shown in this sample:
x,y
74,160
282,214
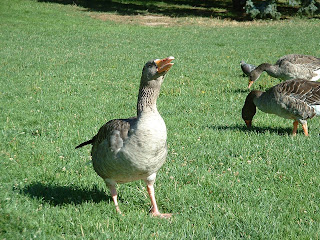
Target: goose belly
x,y
142,153
275,107
126,166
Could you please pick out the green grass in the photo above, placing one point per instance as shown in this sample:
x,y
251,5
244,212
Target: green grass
x,y
64,74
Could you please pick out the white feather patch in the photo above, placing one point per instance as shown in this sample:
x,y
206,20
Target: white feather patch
x,y
317,77
317,109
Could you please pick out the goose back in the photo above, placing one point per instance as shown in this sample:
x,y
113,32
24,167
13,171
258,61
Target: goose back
x,y
298,66
296,99
288,67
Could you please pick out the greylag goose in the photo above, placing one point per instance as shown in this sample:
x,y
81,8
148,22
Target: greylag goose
x,y
296,99
246,68
126,150
290,67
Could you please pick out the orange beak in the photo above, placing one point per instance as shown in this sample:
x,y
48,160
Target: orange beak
x,y
248,123
250,84
164,64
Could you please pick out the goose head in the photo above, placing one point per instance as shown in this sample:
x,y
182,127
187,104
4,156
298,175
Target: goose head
x,y
254,75
154,71
249,109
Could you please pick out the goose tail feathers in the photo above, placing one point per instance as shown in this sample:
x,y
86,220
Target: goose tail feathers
x,y
84,143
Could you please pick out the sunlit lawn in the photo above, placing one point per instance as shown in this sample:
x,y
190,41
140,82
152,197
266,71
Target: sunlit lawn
x,y
64,74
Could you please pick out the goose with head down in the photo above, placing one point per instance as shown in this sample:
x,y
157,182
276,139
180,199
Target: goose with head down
x,y
126,150
296,99
288,67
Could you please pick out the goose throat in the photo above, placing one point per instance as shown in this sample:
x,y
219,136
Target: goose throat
x,y
147,99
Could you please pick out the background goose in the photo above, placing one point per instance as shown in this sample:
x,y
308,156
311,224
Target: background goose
x,y
246,68
296,99
290,67
126,150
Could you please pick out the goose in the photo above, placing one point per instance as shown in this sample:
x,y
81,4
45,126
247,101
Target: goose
x,y
289,67
126,150
296,99
246,68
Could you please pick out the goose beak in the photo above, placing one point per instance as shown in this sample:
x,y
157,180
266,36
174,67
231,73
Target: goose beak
x,y
248,123
250,83
164,64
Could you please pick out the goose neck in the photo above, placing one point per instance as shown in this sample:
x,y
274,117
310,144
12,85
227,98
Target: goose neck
x,y
272,70
147,99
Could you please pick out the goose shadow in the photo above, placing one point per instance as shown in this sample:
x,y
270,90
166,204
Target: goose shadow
x,y
61,195
239,90
260,130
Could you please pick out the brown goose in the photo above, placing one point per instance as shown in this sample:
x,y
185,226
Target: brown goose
x,y
126,150
289,67
296,99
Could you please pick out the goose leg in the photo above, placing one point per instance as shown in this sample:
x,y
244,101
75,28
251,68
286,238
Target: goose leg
x,y
305,128
154,209
114,195
295,128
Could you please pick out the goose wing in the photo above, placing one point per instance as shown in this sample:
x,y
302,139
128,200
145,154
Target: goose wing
x,y
301,61
297,97
115,131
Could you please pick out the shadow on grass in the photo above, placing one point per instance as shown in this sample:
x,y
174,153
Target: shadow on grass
x,y
259,130
239,90
222,9
61,195
176,8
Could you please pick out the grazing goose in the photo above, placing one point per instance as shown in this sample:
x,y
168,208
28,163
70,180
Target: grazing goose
x,y
126,150
246,68
290,67
296,99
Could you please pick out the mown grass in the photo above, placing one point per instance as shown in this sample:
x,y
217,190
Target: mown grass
x,y
64,74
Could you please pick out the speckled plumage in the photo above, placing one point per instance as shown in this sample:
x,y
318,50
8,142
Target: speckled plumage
x,y
296,99
290,66
126,150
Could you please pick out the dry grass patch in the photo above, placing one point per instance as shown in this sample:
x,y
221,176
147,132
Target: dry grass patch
x,y
147,20
158,20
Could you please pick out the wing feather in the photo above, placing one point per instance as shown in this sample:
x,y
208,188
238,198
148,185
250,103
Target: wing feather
x,y
297,96
115,131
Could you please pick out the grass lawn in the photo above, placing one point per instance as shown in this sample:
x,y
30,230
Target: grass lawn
x,y
65,72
